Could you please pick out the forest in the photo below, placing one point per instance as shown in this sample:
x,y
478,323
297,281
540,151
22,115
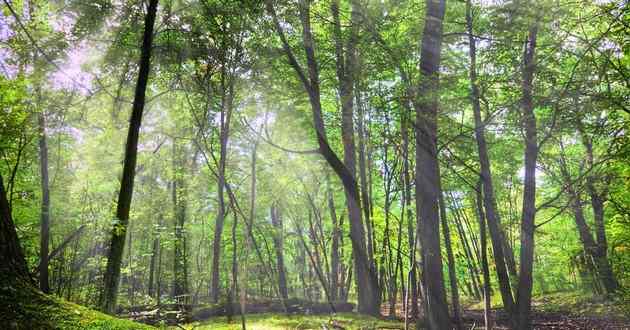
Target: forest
x,y
315,164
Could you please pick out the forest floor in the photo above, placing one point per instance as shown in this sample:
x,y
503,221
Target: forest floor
x,y
566,310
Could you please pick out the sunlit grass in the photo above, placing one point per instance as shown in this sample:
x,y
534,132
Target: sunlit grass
x,y
282,322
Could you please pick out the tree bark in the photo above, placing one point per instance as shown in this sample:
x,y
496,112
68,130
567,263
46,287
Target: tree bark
x,y
528,215
180,266
427,171
12,260
225,118
44,236
597,203
368,290
487,291
489,199
334,253
278,239
413,286
112,273
451,266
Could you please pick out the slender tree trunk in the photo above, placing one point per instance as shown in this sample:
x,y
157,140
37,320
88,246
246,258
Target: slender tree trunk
x,y
334,253
487,291
152,265
489,199
180,280
597,203
410,227
367,281
451,266
45,212
112,273
226,114
365,195
528,215
276,221
468,254
369,291
427,171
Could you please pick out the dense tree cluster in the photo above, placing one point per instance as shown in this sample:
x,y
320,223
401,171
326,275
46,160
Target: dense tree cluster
x,y
402,155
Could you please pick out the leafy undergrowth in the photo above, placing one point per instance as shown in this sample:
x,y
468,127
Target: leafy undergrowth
x,y
24,307
281,322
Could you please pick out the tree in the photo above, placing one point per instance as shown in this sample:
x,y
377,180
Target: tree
x,y
117,244
427,172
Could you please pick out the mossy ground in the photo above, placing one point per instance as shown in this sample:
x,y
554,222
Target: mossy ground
x,y
24,307
282,322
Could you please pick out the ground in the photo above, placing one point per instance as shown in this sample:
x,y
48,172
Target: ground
x,y
282,322
564,310
24,307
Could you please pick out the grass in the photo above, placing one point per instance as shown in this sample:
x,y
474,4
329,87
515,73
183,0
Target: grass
x,y
22,306
285,322
579,303
570,302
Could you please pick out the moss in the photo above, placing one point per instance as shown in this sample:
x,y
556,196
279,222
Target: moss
x,y
22,306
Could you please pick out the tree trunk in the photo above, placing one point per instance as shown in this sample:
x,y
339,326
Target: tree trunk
x,y
451,266
487,291
180,280
597,203
112,273
334,253
525,282
12,260
226,114
367,281
276,221
152,264
413,286
427,171
363,179
45,211
489,198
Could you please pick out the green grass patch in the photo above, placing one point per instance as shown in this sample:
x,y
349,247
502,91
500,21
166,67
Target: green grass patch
x,y
282,322
579,303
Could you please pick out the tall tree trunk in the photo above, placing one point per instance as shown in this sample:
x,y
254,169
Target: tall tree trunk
x,y
489,199
468,254
484,258
363,179
366,278
152,265
597,203
427,171
276,221
180,278
334,253
452,276
528,215
44,236
413,286
346,71
226,114
593,249
114,259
